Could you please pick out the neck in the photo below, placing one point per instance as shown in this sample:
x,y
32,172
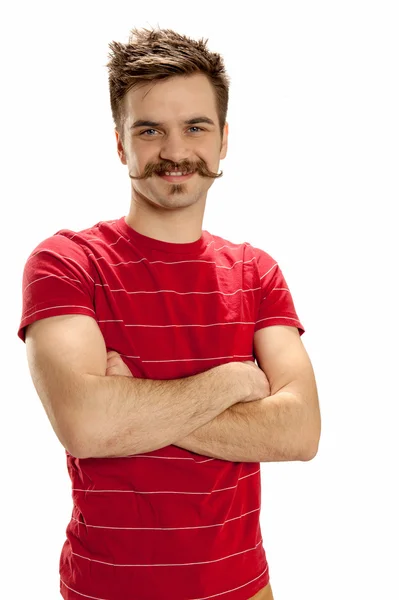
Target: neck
x,y
179,226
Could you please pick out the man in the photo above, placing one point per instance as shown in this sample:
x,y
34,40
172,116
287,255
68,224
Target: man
x,y
141,335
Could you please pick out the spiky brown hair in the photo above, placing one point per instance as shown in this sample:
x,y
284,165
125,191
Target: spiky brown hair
x,y
158,54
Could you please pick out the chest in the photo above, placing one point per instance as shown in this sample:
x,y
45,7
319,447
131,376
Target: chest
x,y
176,317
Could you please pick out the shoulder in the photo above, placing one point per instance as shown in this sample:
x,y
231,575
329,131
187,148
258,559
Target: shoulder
x,y
73,245
80,242
262,258
219,243
100,231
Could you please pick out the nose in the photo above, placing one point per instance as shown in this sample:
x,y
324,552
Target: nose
x,y
174,148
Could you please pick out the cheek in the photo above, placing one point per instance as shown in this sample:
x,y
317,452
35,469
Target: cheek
x,y
214,157
135,160
141,157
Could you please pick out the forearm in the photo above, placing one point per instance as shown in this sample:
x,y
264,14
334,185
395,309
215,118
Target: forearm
x,y
271,429
123,416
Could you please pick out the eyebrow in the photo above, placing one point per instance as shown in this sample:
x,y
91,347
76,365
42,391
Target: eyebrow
x,y
194,121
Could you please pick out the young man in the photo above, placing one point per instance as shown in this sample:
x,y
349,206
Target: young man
x,y
141,335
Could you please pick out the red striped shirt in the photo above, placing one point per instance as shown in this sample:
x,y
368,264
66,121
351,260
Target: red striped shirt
x,y
168,523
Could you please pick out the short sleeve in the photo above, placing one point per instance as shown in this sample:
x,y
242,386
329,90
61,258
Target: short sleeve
x,y
276,304
58,279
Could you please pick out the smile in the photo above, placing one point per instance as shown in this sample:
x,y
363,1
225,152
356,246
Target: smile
x,y
178,176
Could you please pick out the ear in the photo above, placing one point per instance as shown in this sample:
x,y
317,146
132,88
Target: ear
x,y
120,149
223,150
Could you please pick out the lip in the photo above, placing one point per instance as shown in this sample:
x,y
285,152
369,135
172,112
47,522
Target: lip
x,y
173,179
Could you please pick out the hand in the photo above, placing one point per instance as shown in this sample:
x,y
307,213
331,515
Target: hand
x,y
116,365
259,384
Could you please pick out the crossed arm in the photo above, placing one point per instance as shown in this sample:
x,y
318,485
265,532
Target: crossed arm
x,y
284,426
94,415
275,429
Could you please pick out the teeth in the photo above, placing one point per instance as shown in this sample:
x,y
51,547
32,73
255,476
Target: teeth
x,y
176,173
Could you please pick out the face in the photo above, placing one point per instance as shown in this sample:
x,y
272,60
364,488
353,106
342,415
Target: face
x,y
158,138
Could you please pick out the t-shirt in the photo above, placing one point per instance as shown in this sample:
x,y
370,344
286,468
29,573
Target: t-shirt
x,y
170,523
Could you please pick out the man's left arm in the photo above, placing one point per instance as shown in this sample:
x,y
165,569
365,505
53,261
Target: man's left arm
x,y
284,426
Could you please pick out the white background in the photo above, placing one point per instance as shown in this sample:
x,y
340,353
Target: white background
x,y
311,176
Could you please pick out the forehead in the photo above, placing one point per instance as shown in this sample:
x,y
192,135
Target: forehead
x,y
171,99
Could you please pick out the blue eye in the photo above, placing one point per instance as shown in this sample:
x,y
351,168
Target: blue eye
x,y
147,130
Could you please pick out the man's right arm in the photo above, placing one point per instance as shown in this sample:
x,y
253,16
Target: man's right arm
x,y
97,416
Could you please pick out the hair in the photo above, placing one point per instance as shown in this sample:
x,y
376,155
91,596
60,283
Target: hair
x,y
160,54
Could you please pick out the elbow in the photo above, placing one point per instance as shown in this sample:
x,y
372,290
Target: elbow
x,y
310,454
86,444
71,446
311,449
80,452
67,436
76,446
75,454
79,441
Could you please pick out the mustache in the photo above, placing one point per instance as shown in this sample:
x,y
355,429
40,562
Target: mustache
x,y
165,166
